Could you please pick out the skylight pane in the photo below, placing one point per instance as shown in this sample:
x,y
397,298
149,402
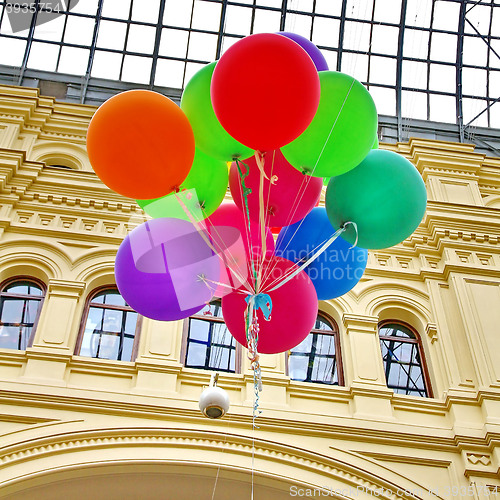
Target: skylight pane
x,y
301,5
191,70
359,9
297,23
446,15
474,82
50,31
475,51
443,108
472,108
136,69
495,115
238,20
43,56
388,12
106,65
478,18
443,78
173,42
414,105
145,10
385,40
79,30
355,65
443,47
494,59
86,6
12,51
202,47
418,13
119,9
169,73
206,15
266,21
74,60
385,100
329,7
331,58
270,3
494,84
326,32
357,36
414,75
415,43
111,35
383,70
177,13
141,39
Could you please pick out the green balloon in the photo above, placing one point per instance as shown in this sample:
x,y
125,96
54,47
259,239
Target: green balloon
x,y
201,192
342,131
384,195
209,135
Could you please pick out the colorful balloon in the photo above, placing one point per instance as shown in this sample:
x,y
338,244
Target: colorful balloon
x,y
209,134
335,271
294,309
384,195
228,214
140,144
206,184
314,53
265,91
342,131
158,268
288,195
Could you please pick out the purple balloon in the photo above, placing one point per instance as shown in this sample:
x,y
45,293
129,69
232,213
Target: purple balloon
x,y
162,268
313,51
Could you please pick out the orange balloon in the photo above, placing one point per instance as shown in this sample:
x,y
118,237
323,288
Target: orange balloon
x,y
140,144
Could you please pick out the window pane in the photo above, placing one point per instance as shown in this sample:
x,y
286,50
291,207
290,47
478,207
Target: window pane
x,y
297,367
199,330
325,344
111,35
12,310
196,355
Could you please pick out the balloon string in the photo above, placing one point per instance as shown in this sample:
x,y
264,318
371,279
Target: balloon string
x,y
315,255
201,231
246,191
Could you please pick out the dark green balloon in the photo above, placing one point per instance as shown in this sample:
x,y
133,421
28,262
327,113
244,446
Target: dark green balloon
x,y
206,186
209,135
346,106
384,195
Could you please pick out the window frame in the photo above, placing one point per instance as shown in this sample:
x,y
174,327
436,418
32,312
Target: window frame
x,y
338,352
184,345
418,341
85,314
42,286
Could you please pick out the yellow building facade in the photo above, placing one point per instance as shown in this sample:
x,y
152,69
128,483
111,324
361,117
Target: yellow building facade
x,y
73,426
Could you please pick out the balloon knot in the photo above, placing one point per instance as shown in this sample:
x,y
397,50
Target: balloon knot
x,y
274,179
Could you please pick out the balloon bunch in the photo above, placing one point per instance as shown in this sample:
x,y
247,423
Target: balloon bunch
x,y
272,121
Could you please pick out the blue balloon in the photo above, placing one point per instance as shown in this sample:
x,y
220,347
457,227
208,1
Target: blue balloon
x,y
337,269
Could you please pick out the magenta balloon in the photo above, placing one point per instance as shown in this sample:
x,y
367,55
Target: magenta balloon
x,y
158,266
292,196
295,308
228,214
314,53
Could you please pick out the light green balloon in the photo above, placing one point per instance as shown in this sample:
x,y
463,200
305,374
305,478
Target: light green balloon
x,y
342,131
384,195
375,145
201,192
209,135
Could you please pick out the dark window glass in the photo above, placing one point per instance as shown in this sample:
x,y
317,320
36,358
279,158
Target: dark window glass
x,y
210,346
403,366
315,359
20,303
110,328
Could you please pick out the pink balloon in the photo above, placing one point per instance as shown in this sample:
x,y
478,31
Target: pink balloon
x,y
290,198
228,214
295,308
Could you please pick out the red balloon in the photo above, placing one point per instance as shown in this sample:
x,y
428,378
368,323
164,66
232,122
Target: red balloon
x,y
287,198
265,91
294,312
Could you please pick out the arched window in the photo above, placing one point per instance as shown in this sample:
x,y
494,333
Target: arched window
x,y
317,357
110,328
404,367
209,344
20,304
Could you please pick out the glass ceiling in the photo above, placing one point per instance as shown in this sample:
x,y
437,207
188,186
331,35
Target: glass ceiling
x,y
435,60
